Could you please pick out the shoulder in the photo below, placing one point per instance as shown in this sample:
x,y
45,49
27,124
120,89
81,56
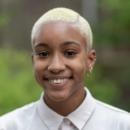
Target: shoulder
x,y
2,126
18,116
25,110
116,115
111,108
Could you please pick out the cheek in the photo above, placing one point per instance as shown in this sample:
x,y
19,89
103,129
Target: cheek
x,y
39,66
79,66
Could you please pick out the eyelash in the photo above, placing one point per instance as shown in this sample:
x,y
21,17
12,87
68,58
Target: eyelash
x,y
43,54
67,53
70,53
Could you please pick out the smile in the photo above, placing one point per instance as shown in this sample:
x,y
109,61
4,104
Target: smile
x,y
58,81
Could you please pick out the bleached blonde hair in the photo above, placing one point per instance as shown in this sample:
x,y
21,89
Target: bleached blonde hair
x,y
69,16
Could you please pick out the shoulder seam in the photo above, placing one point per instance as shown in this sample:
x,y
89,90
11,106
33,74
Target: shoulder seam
x,y
112,108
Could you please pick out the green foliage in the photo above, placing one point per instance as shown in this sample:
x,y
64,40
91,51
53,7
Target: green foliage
x,y
17,83
4,19
114,26
103,89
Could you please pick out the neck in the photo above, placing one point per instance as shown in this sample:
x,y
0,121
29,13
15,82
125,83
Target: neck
x,y
67,106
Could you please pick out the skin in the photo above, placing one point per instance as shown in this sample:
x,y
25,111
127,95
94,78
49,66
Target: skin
x,y
59,52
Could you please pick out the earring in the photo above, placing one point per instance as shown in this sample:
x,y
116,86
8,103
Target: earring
x,y
89,73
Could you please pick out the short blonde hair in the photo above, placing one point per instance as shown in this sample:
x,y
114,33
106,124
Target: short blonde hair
x,y
69,16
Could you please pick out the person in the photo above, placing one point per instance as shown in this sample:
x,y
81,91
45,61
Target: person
x,y
62,56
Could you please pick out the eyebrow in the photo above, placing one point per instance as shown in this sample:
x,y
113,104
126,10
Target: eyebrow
x,y
65,43
70,42
41,44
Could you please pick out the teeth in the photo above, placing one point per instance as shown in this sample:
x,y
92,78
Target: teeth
x,y
55,81
58,81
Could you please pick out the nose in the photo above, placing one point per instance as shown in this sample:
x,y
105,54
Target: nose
x,y
56,64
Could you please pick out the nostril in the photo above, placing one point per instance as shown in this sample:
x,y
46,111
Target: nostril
x,y
55,71
56,68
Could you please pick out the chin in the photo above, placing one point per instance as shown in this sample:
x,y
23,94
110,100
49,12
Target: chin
x,y
59,98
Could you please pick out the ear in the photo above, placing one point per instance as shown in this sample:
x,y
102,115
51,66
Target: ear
x,y
91,59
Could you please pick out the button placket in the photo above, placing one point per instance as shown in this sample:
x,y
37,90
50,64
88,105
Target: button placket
x,y
65,119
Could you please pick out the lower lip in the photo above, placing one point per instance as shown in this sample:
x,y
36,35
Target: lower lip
x,y
59,85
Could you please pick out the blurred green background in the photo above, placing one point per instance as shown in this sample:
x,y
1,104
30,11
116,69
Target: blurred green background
x,y
110,22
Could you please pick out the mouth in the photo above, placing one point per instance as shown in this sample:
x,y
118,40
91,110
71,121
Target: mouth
x,y
58,81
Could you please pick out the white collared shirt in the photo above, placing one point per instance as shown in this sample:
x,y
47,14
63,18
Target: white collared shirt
x,y
90,115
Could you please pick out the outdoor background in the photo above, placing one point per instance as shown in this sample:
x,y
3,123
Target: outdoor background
x,y
110,22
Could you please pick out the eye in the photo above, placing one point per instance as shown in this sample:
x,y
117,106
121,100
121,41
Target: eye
x,y
43,54
70,53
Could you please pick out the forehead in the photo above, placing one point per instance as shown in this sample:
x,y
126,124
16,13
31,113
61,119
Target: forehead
x,y
58,32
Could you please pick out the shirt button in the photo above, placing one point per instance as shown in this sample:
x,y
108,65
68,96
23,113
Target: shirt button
x,y
65,119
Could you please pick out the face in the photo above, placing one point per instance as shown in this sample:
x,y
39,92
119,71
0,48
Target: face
x,y
60,60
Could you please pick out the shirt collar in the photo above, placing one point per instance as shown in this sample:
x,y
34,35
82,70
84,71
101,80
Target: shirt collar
x,y
78,117
51,119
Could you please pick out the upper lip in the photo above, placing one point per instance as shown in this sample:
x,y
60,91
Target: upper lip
x,y
57,77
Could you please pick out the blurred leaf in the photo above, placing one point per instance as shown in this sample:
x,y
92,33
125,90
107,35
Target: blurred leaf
x,y
4,19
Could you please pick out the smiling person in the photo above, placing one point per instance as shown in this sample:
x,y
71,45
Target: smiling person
x,y
62,56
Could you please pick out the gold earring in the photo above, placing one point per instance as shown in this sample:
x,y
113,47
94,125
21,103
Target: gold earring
x,y
89,73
